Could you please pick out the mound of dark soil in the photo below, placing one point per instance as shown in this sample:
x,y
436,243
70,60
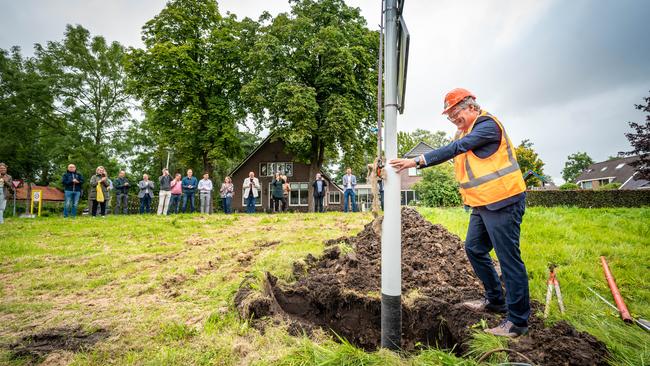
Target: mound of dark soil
x,y
341,291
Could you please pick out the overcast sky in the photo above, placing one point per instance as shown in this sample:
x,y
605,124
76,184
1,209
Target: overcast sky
x,y
563,74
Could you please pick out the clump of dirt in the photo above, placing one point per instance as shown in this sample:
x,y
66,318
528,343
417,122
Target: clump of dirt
x,y
36,347
341,291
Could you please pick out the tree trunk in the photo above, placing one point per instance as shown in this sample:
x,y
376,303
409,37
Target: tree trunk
x,y
316,163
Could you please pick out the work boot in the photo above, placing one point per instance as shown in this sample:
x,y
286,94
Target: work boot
x,y
507,329
484,305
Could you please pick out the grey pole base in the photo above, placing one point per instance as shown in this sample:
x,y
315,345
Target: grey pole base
x,y
391,322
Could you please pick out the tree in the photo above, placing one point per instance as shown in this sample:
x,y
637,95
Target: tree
x,y
640,141
529,160
438,187
89,84
408,140
25,116
436,139
575,165
405,142
189,78
314,82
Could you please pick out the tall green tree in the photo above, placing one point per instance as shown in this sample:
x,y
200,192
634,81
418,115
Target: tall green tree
x,y
314,81
405,142
89,84
29,130
575,165
408,140
189,78
640,141
529,160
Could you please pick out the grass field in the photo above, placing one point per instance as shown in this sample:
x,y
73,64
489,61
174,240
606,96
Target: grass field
x,y
162,287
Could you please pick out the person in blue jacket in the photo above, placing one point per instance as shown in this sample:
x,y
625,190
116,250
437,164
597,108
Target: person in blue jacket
x,y
72,181
189,185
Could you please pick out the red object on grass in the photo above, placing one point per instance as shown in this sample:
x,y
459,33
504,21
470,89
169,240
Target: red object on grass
x,y
620,304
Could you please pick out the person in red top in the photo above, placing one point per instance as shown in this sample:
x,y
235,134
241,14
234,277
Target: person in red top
x,y
177,190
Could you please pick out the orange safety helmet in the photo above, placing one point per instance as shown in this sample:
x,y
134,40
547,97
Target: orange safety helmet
x,y
455,96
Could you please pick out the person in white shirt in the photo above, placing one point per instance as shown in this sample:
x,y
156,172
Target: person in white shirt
x,y
251,188
205,193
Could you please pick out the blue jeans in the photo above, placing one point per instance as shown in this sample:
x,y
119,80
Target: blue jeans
x,y
145,204
174,204
346,197
188,196
250,204
500,230
71,199
227,204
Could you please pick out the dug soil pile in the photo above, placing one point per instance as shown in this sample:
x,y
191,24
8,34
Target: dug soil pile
x,y
340,291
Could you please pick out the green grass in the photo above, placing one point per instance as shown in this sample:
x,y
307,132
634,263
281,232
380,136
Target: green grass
x,y
163,286
574,239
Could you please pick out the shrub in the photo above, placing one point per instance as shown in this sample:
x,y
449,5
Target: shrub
x,y
589,198
569,186
438,187
610,186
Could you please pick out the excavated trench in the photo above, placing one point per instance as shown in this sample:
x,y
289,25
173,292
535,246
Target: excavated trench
x,y
339,292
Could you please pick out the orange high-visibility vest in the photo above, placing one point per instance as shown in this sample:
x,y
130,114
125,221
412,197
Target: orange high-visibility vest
x,y
489,180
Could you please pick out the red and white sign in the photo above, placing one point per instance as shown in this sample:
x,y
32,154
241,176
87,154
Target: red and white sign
x,y
16,182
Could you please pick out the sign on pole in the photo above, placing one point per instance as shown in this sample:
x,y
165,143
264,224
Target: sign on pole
x,y
37,198
16,183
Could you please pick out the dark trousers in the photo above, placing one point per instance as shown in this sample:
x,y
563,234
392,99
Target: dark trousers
x,y
227,204
188,196
318,204
121,203
102,208
276,204
284,203
250,203
174,204
145,204
500,230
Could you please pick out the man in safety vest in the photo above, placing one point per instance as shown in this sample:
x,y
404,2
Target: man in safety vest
x,y
491,184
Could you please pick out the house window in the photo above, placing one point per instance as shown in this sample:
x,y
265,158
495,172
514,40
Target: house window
x,y
269,169
299,194
258,199
364,195
335,198
414,172
602,182
619,166
587,185
408,197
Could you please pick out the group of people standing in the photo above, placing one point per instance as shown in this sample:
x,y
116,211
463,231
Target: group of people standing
x,y
174,193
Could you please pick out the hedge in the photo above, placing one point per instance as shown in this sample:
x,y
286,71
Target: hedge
x,y
589,198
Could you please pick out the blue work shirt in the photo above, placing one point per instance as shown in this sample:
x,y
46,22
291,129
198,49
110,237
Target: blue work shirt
x,y
483,140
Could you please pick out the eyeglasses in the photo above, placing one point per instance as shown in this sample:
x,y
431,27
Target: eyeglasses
x,y
452,115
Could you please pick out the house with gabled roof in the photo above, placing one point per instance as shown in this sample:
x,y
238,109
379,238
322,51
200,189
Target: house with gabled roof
x,y
269,157
612,171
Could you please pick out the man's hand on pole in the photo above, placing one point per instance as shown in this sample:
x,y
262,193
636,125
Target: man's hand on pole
x,y
401,164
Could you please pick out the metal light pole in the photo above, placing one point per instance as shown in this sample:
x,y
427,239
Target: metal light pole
x,y
391,244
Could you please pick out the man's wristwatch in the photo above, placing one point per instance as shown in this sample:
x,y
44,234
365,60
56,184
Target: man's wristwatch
x,y
417,161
